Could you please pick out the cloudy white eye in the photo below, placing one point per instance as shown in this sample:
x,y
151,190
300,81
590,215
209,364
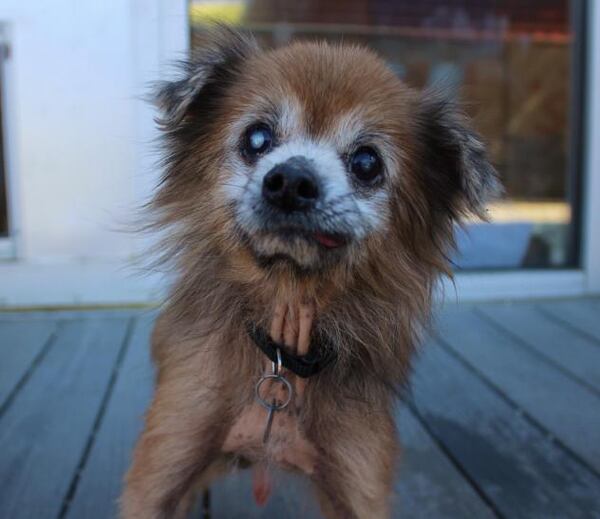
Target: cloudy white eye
x,y
258,139
365,164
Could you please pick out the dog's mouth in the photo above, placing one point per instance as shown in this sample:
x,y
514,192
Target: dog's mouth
x,y
305,249
324,240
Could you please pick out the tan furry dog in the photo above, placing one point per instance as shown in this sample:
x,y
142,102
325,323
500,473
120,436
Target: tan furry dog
x,y
307,192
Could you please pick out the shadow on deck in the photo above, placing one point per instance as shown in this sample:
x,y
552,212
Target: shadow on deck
x,y
503,419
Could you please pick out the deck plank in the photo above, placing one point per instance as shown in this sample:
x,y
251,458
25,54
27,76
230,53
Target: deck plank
x,y
45,432
581,314
574,353
101,479
569,411
517,467
428,487
488,396
21,343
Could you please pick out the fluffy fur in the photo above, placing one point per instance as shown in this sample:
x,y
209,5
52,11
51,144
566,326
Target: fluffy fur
x,y
372,295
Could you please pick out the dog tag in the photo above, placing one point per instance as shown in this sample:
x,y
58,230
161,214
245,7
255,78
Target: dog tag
x,y
270,416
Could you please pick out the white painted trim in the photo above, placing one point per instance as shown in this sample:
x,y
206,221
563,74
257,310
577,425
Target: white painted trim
x,y
520,284
175,31
161,37
27,284
591,185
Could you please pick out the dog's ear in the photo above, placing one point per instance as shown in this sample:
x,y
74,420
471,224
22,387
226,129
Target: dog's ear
x,y
458,173
221,51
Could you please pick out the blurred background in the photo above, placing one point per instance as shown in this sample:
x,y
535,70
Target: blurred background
x,y
503,413
77,155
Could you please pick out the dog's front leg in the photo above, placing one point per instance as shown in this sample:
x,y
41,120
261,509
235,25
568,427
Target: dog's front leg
x,y
355,472
179,443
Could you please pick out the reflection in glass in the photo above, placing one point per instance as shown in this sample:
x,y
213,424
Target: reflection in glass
x,y
510,62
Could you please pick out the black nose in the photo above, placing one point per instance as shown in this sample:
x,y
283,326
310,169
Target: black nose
x,y
291,185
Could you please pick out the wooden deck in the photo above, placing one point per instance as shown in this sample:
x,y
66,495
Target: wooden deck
x,y
503,420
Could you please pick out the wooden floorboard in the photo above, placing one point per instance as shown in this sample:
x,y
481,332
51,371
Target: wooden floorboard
x,y
504,420
574,353
99,486
22,344
45,430
566,409
582,315
517,466
428,487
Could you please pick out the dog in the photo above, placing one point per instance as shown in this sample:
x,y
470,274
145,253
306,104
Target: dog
x,y
307,205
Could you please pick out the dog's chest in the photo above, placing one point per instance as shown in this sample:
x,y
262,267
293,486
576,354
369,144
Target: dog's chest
x,y
277,435
287,444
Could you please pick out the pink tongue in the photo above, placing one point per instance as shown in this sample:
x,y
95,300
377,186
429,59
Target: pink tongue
x,y
327,241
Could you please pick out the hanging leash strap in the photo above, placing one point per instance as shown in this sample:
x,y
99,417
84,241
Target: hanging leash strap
x,y
319,355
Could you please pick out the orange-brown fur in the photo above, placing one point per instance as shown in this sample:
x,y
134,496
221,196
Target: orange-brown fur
x,y
373,304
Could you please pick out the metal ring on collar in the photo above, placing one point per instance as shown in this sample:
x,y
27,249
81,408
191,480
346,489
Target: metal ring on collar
x,y
275,378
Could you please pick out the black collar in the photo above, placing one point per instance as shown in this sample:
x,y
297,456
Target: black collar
x,y
319,356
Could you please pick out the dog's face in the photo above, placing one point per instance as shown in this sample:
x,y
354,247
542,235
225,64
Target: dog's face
x,y
314,156
314,153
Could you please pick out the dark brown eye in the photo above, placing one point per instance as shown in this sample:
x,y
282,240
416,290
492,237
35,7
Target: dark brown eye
x,y
365,164
258,139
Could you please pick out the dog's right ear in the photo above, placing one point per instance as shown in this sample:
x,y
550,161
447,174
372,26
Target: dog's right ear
x,y
211,68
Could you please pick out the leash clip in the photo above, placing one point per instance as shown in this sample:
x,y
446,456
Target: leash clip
x,y
276,368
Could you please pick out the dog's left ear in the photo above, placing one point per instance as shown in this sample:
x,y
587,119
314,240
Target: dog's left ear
x,y
457,171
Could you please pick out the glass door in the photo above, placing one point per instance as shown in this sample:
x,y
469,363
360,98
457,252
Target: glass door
x,y
518,68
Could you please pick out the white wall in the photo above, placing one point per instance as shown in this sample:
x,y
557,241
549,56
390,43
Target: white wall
x,y
79,159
